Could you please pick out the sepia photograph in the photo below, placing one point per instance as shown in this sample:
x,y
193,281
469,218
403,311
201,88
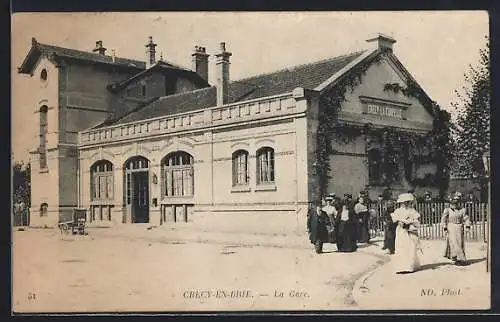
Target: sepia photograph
x,y
250,161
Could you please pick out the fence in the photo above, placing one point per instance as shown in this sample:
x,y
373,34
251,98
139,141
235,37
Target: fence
x,y
430,220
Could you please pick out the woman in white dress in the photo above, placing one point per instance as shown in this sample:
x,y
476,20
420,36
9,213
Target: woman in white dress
x,y
331,211
453,221
406,259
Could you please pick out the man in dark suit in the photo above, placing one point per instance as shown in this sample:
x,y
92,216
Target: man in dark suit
x,y
317,220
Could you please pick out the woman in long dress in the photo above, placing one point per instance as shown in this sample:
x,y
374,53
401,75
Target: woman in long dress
x,y
363,220
389,229
453,220
331,211
406,259
317,220
346,226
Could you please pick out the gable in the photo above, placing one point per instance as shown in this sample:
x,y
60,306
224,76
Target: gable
x,y
171,74
38,50
46,87
371,103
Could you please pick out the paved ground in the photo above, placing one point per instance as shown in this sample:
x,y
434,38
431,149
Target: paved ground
x,y
437,285
106,271
133,268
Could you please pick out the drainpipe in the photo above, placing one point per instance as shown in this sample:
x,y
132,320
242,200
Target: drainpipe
x,y
78,188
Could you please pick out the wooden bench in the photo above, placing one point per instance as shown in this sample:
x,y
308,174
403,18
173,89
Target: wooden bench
x,y
74,223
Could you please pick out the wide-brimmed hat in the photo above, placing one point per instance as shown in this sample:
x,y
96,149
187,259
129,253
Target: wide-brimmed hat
x,y
347,195
457,196
404,197
329,198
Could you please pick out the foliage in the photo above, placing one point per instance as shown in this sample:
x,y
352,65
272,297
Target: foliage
x,y
392,141
329,126
472,133
438,140
21,177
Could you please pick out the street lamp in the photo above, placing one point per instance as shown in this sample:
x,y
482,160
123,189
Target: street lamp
x,y
486,163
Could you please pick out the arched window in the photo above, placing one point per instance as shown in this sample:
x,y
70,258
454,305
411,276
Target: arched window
x,y
177,174
240,168
43,137
43,209
102,180
43,75
374,166
265,165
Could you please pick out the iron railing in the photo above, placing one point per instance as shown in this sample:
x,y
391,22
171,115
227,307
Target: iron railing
x,y
430,220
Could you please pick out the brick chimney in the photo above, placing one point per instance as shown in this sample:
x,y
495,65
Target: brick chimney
x,y
151,52
383,42
222,64
200,62
99,48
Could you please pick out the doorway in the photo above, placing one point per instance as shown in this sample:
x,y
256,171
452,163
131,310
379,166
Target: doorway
x,y
140,197
137,190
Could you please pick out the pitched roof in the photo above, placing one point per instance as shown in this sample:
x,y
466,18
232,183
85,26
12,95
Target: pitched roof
x,y
162,66
38,49
282,81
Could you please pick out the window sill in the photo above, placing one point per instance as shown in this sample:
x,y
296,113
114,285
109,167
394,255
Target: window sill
x,y
44,170
266,187
102,202
241,188
176,199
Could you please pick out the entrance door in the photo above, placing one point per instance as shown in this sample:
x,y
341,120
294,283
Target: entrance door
x,y
140,197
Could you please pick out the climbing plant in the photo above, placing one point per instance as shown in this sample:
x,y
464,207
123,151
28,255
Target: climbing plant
x,y
392,141
329,125
438,140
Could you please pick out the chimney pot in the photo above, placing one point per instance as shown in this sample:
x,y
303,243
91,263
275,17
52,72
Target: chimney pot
x,y
383,42
99,48
222,74
151,52
200,62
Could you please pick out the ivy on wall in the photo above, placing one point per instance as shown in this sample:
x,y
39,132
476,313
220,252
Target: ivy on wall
x,y
433,147
438,140
329,125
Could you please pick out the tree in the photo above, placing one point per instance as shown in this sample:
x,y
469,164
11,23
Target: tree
x,y
21,183
472,130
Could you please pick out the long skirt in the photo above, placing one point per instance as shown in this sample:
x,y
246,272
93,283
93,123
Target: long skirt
x,y
455,245
363,228
406,257
389,238
346,237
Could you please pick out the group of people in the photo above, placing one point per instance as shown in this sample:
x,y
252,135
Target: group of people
x,y
346,223
343,222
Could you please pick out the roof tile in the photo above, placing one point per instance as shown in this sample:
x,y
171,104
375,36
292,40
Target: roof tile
x,y
88,56
307,76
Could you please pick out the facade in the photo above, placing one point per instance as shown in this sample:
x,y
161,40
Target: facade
x,y
137,142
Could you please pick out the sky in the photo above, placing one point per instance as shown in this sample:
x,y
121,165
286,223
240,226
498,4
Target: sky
x,y
435,46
